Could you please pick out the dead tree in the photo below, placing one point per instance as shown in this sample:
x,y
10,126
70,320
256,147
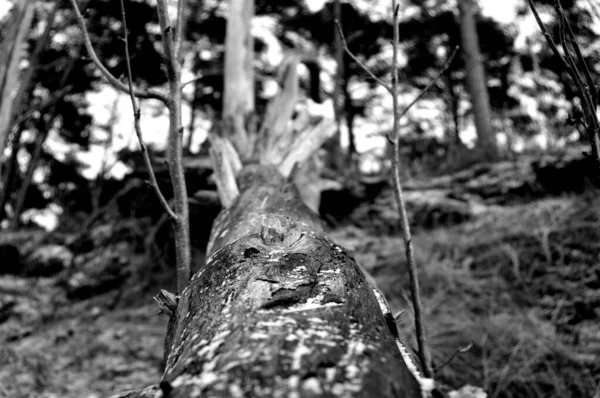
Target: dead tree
x,y
278,309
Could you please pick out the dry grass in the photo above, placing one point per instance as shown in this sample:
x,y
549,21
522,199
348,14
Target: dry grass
x,y
513,284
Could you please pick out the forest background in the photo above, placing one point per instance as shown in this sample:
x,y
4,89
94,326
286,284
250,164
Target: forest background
x,y
506,234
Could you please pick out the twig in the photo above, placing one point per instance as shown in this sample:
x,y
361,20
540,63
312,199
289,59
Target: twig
x,y
60,94
136,122
587,92
428,87
385,85
547,35
410,258
355,58
432,83
90,220
109,76
194,80
588,76
459,350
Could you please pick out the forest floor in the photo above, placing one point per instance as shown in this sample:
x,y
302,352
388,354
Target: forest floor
x,y
520,283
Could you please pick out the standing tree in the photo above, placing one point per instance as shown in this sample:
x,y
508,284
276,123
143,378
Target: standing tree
x,y
10,48
476,80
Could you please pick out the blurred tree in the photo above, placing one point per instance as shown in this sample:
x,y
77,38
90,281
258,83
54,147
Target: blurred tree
x,y
55,100
11,48
429,33
476,81
365,38
539,76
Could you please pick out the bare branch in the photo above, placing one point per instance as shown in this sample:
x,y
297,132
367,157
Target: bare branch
x,y
279,112
305,144
58,95
424,355
355,58
588,76
194,80
136,122
432,83
109,76
459,350
549,40
410,258
587,93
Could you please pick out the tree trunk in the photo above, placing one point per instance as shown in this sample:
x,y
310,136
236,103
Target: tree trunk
x,y
453,134
336,158
238,91
44,131
278,309
350,114
10,50
476,80
9,175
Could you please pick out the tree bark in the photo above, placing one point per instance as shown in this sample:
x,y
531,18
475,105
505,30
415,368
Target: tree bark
x,y
10,50
476,81
279,310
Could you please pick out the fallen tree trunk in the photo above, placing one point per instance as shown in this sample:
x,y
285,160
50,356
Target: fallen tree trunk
x,y
279,310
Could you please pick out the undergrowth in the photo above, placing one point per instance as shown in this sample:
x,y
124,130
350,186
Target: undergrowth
x,y
522,285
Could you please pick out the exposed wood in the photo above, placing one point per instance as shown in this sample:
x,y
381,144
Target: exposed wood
x,y
274,129
306,144
226,166
238,90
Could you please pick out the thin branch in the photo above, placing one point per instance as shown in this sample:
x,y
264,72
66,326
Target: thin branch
x,y
586,92
459,350
406,233
355,58
432,83
428,87
588,76
547,35
410,258
109,76
574,72
136,122
60,94
194,80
